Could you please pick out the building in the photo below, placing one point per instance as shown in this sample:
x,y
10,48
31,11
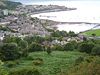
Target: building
x,y
5,12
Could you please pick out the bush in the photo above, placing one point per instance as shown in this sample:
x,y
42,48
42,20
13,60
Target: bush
x,y
1,63
11,64
58,48
69,47
35,47
79,60
37,62
96,50
86,47
30,58
3,71
25,71
49,50
86,68
9,51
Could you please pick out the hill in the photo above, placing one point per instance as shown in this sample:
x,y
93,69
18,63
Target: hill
x,y
8,4
90,32
46,64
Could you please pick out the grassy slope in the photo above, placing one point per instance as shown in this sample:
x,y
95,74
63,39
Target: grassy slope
x,y
55,63
89,33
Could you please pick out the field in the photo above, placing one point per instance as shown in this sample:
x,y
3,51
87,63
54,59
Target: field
x,y
89,33
52,64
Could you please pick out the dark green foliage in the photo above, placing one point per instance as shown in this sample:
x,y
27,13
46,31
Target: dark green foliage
x,y
69,47
86,68
36,39
3,71
59,33
38,61
25,71
58,48
35,47
9,51
86,47
11,64
79,60
63,34
49,50
72,34
96,50
75,44
22,44
9,39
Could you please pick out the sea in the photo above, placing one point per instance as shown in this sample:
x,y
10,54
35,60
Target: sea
x,y
87,11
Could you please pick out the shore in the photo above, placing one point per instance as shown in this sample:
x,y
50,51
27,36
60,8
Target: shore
x,y
36,9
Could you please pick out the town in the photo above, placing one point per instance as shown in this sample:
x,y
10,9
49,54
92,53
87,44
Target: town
x,y
19,23
32,45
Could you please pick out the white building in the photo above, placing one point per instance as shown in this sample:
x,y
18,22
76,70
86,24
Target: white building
x,y
5,12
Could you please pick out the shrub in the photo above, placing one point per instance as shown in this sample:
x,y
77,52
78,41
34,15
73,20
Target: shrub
x,y
86,68
86,47
25,71
1,63
30,58
96,50
9,51
49,50
3,71
69,47
35,47
58,48
38,61
11,64
79,60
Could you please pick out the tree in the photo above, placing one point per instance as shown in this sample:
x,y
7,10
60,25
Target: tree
x,y
9,51
93,34
9,39
72,34
35,47
86,47
69,47
49,50
23,46
96,50
58,47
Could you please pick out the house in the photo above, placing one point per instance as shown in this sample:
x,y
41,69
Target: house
x,y
5,12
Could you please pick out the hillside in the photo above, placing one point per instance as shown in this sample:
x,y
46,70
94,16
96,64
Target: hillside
x,y
9,5
46,64
90,32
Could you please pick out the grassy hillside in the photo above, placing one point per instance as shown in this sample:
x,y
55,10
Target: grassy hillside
x,y
91,66
51,64
89,33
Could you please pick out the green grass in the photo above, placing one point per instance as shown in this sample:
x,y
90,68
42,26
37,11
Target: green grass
x,y
90,32
58,61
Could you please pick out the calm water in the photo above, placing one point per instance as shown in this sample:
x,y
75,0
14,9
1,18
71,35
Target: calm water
x,y
87,11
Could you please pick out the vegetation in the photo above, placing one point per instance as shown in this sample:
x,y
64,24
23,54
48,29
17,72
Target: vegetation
x,y
63,34
86,47
29,56
96,50
91,32
86,68
9,4
9,52
40,63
